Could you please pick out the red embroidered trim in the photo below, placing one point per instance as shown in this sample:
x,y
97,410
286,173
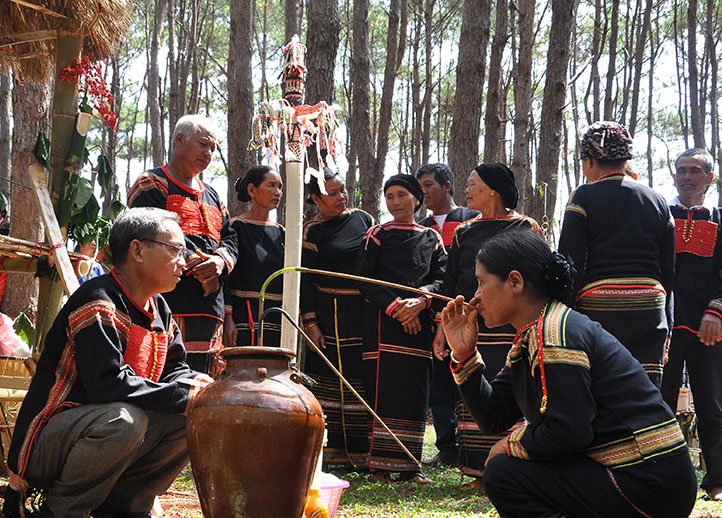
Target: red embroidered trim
x,y
251,323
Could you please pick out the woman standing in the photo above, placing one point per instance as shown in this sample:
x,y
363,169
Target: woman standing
x,y
619,234
398,329
491,190
331,309
260,253
597,440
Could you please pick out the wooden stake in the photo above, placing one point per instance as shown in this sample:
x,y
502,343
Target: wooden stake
x,y
52,230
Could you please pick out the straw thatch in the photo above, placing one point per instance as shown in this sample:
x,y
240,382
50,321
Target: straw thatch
x,y
29,30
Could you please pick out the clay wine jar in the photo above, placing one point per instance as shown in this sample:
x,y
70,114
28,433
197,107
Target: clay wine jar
x,y
254,436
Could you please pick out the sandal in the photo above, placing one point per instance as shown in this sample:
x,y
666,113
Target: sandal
x,y
380,476
476,483
415,476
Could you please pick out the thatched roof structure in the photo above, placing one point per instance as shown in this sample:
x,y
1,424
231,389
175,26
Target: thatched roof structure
x,y
29,29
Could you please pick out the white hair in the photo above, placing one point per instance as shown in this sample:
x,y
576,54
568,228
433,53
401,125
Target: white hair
x,y
189,125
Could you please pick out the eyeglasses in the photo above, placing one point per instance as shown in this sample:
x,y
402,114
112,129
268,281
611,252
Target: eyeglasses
x,y
180,250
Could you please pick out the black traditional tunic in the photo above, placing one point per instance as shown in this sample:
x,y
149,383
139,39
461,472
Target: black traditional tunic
x,y
399,364
204,221
620,236
103,347
260,253
598,439
493,343
698,290
336,306
443,395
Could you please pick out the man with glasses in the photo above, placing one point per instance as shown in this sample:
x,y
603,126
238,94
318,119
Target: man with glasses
x,y
197,300
698,308
102,428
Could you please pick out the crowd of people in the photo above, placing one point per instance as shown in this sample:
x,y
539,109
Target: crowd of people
x,y
542,376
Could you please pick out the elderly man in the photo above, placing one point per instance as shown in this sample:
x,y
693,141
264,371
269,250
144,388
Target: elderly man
x,y
197,300
102,428
698,308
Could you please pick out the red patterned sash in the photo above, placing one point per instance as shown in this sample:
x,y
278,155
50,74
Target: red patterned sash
x,y
197,219
695,236
146,352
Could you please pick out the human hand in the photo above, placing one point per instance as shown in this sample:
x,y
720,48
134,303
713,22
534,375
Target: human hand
x,y
460,326
439,344
710,329
208,273
230,333
499,448
408,309
412,327
315,334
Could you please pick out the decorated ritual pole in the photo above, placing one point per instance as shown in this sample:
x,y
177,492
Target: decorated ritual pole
x,y
299,126
294,76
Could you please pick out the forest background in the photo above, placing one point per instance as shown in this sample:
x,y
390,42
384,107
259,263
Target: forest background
x,y
417,81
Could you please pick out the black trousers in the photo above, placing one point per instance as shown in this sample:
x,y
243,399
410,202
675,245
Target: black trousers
x,y
443,397
580,487
704,365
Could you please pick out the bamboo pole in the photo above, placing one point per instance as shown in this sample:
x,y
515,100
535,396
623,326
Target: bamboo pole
x,y
65,107
292,253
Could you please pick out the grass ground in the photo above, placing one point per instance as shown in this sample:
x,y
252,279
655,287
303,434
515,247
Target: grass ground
x,y
365,499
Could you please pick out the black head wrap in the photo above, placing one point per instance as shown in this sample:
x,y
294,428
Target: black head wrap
x,y
606,141
500,179
408,182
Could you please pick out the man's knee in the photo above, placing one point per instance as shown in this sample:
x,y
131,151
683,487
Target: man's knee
x,y
126,421
498,476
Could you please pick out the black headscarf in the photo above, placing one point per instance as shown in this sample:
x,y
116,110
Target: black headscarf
x,y
501,179
408,182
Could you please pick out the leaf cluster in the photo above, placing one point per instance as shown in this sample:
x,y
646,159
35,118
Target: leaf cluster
x,y
86,223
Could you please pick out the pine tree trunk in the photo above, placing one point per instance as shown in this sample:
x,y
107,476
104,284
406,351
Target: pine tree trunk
x,y
696,112
240,96
293,15
640,55
611,66
470,77
521,156
552,116
322,42
495,117
154,105
361,132
31,114
5,131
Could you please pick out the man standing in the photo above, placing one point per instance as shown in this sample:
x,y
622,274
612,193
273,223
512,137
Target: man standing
x,y
102,428
698,308
197,300
437,183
